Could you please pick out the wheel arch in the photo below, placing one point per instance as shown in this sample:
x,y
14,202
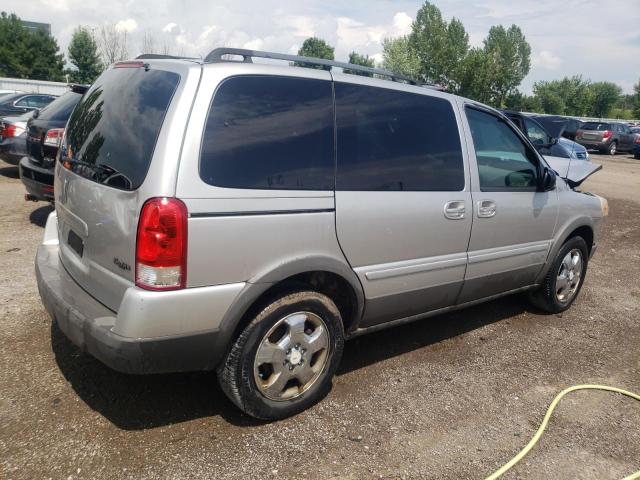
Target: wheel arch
x,y
324,274
583,227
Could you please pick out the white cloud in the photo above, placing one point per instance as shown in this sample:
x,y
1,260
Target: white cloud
x,y
547,60
170,27
255,44
402,23
129,25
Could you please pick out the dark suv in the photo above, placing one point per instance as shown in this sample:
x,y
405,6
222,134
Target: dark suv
x,y
44,133
606,137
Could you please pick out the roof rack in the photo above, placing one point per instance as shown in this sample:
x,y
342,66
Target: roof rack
x,y
216,56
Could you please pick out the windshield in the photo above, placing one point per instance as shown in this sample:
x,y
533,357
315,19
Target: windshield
x,y
112,132
596,126
60,109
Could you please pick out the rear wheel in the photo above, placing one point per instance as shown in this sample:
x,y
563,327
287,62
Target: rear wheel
x,y
565,278
283,361
613,148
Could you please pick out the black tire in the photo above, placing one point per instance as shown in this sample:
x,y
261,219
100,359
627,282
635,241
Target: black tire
x,y
612,148
236,373
636,156
545,297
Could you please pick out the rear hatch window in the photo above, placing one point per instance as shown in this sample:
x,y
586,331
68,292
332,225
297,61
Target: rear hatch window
x,y
112,133
596,126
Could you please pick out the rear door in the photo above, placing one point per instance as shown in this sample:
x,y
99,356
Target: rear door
x,y
402,197
626,137
121,147
513,223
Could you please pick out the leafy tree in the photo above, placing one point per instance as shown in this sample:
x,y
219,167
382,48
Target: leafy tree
x,y
605,95
474,78
522,103
28,54
398,57
636,101
357,59
509,58
83,54
316,48
568,96
439,46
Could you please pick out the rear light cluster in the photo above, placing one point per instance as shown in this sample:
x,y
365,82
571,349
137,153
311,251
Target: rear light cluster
x,y
606,134
578,133
161,245
11,130
53,137
637,140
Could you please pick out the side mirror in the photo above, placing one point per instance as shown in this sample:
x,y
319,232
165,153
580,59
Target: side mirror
x,y
548,180
552,141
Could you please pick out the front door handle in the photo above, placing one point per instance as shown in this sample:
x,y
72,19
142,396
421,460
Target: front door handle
x,y
454,210
486,208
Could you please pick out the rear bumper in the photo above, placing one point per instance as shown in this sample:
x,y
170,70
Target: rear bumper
x,y
37,180
89,325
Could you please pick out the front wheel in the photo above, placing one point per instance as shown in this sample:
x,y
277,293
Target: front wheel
x,y
565,278
283,361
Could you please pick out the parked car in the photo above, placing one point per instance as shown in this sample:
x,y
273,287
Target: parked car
x,y
13,134
606,137
571,125
636,147
250,217
19,103
548,141
44,132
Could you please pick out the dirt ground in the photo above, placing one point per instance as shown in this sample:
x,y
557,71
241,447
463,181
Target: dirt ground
x,y
454,396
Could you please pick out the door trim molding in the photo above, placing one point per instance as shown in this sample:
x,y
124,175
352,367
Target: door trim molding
x,y
408,267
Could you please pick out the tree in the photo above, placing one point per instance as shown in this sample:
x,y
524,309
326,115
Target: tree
x,y
28,54
357,59
636,101
148,43
474,77
509,58
83,54
113,44
398,57
605,95
439,46
315,47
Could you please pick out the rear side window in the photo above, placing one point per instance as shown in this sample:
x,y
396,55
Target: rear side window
x,y
266,132
60,109
392,140
112,133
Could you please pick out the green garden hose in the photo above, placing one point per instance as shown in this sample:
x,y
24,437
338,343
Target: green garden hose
x,y
545,421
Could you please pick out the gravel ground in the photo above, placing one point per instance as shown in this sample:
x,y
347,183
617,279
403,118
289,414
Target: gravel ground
x,y
454,396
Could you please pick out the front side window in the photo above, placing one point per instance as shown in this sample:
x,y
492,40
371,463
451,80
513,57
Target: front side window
x,y
268,132
392,140
24,102
504,161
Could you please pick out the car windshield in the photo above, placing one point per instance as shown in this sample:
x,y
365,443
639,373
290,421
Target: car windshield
x,y
596,126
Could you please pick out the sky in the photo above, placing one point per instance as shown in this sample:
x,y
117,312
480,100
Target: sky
x,y
599,39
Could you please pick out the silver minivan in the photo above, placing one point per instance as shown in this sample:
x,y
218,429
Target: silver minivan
x,y
250,217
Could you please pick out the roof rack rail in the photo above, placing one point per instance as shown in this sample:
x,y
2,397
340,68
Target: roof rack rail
x,y
159,56
216,56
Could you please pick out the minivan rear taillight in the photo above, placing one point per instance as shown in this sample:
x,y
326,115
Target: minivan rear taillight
x,y
161,245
